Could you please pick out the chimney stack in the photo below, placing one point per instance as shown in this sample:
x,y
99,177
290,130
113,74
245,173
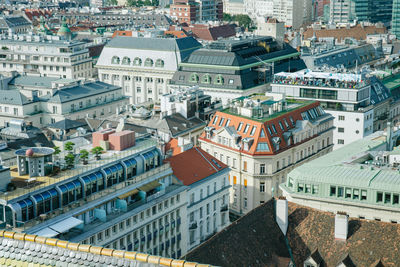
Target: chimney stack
x,y
341,225
389,134
281,210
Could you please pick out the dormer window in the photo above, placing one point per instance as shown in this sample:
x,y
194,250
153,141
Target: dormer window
x,y
137,61
219,79
215,120
253,130
280,125
286,123
221,121
194,78
206,79
291,120
160,63
227,122
273,128
115,60
148,62
126,61
239,128
262,134
246,128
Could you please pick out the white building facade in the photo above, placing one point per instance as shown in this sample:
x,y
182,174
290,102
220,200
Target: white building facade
x,y
45,56
143,66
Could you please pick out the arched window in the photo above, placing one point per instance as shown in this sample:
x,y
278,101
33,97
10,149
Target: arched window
x,y
115,60
126,61
137,61
148,62
206,78
219,79
194,78
160,63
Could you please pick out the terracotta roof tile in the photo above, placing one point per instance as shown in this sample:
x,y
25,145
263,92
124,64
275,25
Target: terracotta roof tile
x,y
183,165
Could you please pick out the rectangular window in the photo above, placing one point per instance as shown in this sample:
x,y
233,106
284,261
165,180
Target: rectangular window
x,y
245,183
363,194
262,168
262,187
341,118
333,191
245,166
356,194
300,188
340,191
387,198
308,188
340,129
348,193
395,199
315,189
340,141
234,180
379,197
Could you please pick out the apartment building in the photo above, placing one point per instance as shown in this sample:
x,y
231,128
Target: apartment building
x,y
121,200
359,179
46,100
184,11
44,56
360,104
208,193
262,138
143,66
396,18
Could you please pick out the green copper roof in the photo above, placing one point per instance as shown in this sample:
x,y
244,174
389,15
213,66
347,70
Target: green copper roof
x,y
392,82
64,28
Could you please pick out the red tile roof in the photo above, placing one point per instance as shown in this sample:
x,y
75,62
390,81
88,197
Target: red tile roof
x,y
173,146
211,33
194,165
122,33
261,126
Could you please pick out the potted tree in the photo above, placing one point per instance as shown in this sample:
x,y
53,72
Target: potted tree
x,y
69,146
57,152
70,160
97,151
84,156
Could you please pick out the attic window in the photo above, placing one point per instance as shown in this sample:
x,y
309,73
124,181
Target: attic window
x,y
126,61
160,63
148,62
215,120
221,121
262,134
253,130
246,128
273,128
269,130
239,127
115,60
227,122
206,79
291,120
280,125
219,79
262,147
137,61
286,123
194,78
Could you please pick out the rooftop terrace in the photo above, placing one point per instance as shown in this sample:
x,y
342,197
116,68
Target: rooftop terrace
x,y
26,185
322,79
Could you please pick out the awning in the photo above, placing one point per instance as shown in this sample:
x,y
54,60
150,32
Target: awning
x,y
130,193
47,232
66,224
149,186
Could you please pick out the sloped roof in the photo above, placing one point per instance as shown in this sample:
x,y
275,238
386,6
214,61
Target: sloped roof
x,y
14,97
18,249
66,124
253,240
235,120
206,165
80,91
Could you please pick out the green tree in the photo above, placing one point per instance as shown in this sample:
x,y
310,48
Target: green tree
x,y
112,2
131,3
84,155
227,17
147,2
57,150
70,160
69,146
97,151
243,20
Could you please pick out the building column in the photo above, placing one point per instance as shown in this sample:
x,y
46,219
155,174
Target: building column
x,y
132,99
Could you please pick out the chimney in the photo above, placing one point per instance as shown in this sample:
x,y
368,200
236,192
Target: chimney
x,y
341,225
389,135
281,210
